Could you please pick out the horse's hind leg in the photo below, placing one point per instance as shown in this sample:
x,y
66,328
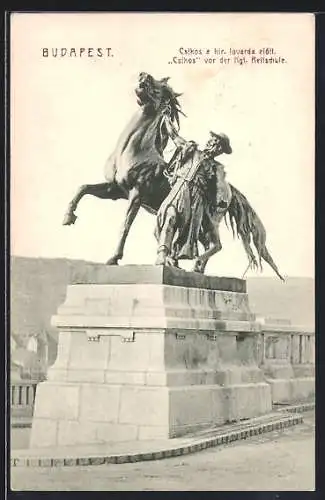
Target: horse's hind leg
x,y
132,210
103,190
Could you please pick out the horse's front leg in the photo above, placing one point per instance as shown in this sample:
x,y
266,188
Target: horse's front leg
x,y
104,190
132,210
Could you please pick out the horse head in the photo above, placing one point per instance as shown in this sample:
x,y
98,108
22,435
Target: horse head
x,y
157,95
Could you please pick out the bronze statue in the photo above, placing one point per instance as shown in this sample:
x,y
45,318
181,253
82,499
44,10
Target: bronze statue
x,y
199,199
136,171
185,214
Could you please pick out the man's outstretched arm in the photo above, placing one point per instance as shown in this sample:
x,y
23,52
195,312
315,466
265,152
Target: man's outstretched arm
x,y
172,132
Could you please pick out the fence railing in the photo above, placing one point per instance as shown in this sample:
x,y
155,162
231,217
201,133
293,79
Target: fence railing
x,y
22,397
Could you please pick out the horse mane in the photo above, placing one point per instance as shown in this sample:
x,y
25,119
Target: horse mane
x,y
171,99
164,97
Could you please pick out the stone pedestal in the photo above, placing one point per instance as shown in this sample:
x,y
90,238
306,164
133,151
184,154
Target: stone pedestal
x,y
149,352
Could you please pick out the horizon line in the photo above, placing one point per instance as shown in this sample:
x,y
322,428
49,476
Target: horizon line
x,y
102,263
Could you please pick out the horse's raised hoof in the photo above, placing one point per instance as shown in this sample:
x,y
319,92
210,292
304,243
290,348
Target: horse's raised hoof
x,y
113,261
69,218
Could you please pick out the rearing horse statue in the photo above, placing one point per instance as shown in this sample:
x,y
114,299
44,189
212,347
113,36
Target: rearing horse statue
x,y
135,172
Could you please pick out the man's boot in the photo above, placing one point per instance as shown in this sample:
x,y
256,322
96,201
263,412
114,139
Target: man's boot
x,y
162,254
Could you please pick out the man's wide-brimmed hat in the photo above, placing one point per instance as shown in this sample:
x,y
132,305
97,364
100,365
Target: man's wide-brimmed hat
x,y
224,141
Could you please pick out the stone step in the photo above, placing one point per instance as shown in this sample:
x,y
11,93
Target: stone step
x,y
137,451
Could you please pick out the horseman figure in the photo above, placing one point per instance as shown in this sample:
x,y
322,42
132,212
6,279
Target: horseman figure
x,y
184,218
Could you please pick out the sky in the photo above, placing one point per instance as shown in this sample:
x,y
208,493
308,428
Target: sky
x,y
67,115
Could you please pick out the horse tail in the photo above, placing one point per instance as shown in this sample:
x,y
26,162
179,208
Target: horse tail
x,y
246,224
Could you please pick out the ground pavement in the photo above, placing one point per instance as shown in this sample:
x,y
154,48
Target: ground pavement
x,y
275,461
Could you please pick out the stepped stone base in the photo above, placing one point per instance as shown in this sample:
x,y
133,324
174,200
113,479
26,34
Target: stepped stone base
x,y
148,352
290,383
